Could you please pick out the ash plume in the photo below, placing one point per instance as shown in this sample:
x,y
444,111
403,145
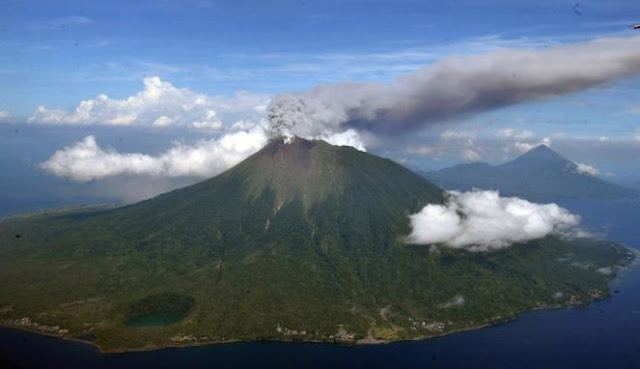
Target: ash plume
x,y
454,87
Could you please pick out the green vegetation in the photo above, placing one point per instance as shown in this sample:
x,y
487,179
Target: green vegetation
x,y
154,319
160,309
299,242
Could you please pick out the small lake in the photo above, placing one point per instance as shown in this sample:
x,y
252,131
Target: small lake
x,y
604,335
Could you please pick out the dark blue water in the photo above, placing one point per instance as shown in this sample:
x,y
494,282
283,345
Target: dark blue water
x,y
604,335
618,220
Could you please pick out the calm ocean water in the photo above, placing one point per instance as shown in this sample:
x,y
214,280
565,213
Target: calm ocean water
x,y
604,335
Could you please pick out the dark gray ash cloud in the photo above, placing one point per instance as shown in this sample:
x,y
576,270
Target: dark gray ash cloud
x,y
455,86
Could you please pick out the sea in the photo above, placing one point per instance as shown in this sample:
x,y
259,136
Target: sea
x,y
606,334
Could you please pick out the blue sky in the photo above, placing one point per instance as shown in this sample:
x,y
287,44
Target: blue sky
x,y
57,54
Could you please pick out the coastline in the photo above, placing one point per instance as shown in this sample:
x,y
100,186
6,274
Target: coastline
x,y
362,342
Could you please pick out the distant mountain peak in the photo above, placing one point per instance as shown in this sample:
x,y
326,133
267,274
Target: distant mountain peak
x,y
541,153
540,173
541,148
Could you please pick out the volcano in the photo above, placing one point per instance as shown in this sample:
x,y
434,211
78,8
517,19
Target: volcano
x,y
540,174
301,241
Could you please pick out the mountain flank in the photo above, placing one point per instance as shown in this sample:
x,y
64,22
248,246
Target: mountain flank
x,y
540,174
301,241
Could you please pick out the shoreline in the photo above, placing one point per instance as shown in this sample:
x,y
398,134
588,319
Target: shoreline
x,y
362,342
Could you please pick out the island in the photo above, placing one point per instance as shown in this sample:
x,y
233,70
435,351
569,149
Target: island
x,y
302,241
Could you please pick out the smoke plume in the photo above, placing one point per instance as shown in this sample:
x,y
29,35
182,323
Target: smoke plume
x,y
453,87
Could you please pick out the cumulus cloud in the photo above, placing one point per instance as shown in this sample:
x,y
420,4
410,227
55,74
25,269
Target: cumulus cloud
x,y
513,133
520,141
522,147
483,221
587,169
347,138
455,86
458,134
470,155
159,104
5,116
86,160
455,143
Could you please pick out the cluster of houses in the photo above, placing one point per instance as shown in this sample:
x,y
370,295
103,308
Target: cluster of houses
x,y
290,332
429,326
27,323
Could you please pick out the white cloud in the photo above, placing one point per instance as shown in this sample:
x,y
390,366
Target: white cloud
x,y
245,125
470,155
86,160
159,104
522,147
347,138
483,221
587,169
513,133
5,116
461,143
457,135
458,143
521,141
605,139
505,132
